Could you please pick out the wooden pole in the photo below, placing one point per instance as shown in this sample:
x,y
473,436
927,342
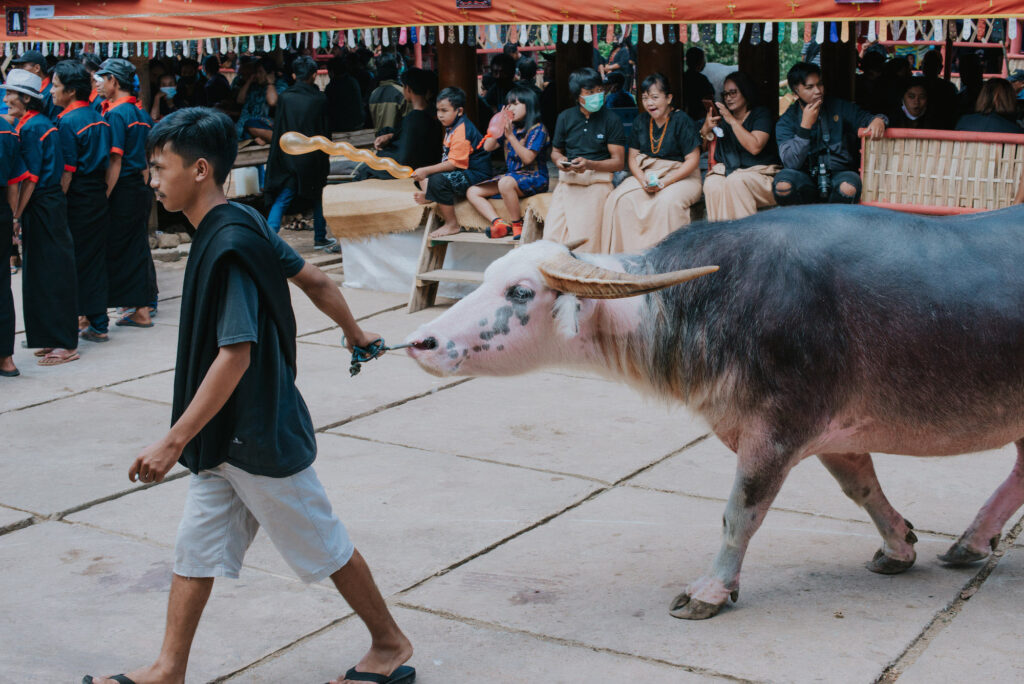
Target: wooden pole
x,y
456,68
568,58
838,68
666,59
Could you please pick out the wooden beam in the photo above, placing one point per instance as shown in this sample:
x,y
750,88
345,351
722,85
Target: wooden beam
x,y
568,58
839,68
456,68
666,59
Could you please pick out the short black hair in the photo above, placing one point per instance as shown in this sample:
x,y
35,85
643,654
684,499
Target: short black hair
x,y
505,63
528,98
510,49
694,57
745,84
656,79
931,63
90,61
32,104
387,66
455,96
211,64
74,77
616,78
799,73
304,67
527,69
583,79
420,81
197,133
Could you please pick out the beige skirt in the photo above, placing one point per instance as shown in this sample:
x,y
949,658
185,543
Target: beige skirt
x,y
635,220
576,208
739,194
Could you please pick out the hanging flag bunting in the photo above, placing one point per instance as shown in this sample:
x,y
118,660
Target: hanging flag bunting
x,y
672,37
833,32
564,33
588,33
743,30
1011,29
883,29
937,29
648,33
968,27
45,49
872,35
524,34
718,33
755,34
844,31
368,38
694,33
730,33
768,29
110,49
492,33
819,37
545,38
911,30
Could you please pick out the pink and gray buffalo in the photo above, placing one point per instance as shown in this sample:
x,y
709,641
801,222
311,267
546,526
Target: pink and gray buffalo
x,y
833,331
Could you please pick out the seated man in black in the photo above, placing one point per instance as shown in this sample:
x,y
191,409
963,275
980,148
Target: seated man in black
x,y
818,143
696,86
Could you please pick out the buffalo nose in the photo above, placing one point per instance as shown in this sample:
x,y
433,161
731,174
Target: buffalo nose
x,y
428,343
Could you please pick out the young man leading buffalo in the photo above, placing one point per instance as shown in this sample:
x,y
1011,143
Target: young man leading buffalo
x,y
238,420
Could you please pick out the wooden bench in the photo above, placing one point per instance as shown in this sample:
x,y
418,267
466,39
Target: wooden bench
x,y
430,271
940,172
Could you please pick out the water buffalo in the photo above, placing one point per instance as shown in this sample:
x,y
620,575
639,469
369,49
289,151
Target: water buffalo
x,y
833,331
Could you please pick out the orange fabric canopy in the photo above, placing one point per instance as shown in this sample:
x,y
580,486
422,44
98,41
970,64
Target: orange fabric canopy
x,y
158,20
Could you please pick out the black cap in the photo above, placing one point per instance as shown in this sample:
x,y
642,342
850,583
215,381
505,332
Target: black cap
x,y
121,69
30,57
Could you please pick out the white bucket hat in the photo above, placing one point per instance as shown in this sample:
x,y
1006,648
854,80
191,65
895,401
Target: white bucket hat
x,y
25,82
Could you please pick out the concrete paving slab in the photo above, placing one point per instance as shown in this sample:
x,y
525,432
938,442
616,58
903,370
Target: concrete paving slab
x,y
936,494
569,425
102,610
66,453
157,387
11,518
604,573
411,513
131,353
982,643
450,651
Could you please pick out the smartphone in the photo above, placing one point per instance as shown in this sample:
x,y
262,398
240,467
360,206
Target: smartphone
x,y
564,163
708,104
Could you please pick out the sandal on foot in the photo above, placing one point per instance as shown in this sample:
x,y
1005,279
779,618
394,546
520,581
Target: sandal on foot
x,y
40,353
499,228
92,336
10,374
120,679
127,322
55,359
402,675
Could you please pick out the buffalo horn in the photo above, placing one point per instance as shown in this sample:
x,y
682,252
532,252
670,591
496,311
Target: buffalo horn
x,y
576,244
573,276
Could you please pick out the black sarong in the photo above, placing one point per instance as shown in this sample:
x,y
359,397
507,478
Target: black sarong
x,y
6,298
49,292
89,222
130,271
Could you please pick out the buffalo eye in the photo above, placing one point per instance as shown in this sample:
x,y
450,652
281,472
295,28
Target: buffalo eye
x,y
518,293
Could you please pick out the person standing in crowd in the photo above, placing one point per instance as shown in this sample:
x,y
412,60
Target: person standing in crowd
x,y
49,293
588,147
85,142
818,143
696,86
344,99
463,161
387,105
301,108
12,173
972,77
130,270
503,70
33,62
616,97
995,110
91,62
745,158
621,61
526,67
417,141
216,90
664,180
941,93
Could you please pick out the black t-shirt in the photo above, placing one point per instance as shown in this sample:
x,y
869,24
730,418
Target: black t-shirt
x,y
344,104
988,123
730,152
678,139
579,136
696,89
419,139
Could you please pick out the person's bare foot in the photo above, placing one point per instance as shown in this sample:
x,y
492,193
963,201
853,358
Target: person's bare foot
x,y
83,323
383,658
446,229
147,675
420,197
141,316
7,364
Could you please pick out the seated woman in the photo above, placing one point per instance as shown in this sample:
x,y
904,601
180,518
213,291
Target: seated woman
x,y
588,147
744,160
913,110
526,156
167,99
994,111
257,94
664,163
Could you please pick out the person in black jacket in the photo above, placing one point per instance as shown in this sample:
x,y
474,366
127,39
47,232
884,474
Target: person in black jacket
x,y
301,108
238,422
818,143
995,110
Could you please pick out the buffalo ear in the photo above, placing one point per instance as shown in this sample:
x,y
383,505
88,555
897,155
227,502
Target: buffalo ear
x,y
566,312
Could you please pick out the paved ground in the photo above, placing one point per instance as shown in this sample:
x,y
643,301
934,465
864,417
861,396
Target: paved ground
x,y
525,529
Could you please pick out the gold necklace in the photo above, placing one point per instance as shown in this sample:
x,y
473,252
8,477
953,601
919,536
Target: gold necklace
x,y
656,146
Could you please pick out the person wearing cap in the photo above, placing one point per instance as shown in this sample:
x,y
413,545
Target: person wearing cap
x,y
85,140
33,62
12,172
49,292
130,271
92,64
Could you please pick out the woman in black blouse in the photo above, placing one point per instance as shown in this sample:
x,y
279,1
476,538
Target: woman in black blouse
x,y
664,163
742,155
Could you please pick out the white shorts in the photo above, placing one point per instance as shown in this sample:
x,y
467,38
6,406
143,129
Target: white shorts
x,y
225,507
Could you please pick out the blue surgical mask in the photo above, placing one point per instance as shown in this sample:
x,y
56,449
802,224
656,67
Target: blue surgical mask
x,y
593,103
169,92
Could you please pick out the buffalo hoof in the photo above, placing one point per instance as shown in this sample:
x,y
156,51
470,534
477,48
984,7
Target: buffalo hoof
x,y
686,608
884,565
959,555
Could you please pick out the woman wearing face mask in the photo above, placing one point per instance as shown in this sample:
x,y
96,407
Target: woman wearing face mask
x,y
167,99
664,163
588,147
913,110
744,159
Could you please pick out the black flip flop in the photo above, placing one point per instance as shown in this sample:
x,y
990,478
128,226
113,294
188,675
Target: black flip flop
x,y
402,675
120,679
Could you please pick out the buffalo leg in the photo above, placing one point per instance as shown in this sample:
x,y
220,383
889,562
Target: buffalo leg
x,y
856,475
759,476
983,534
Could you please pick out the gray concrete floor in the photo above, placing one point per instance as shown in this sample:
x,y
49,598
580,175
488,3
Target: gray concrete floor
x,y
522,529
